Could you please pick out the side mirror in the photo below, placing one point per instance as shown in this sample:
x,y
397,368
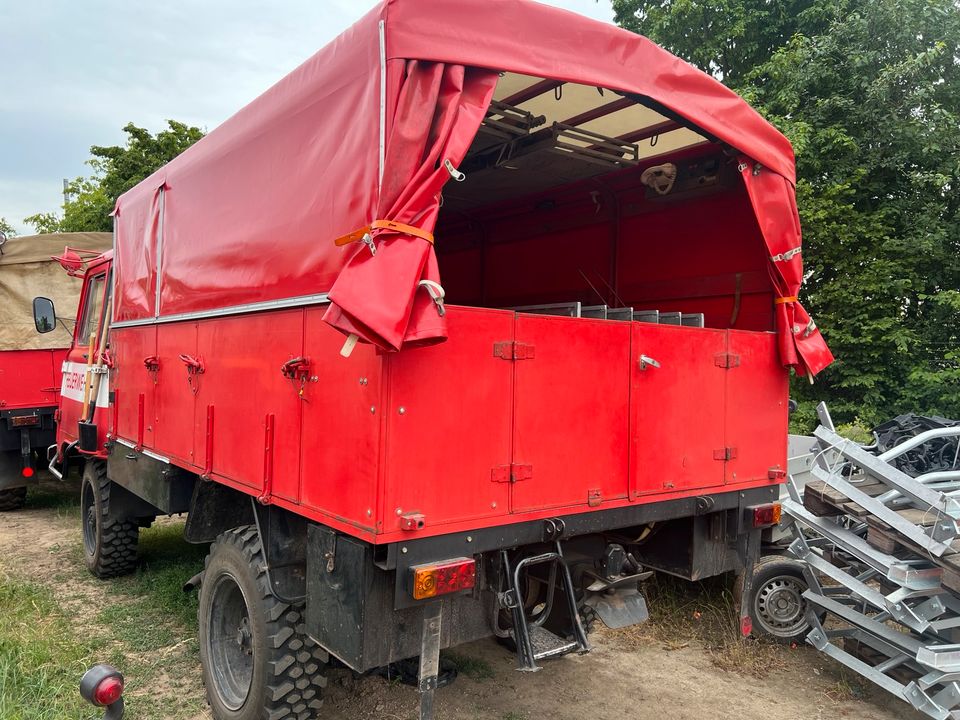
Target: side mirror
x,y
44,316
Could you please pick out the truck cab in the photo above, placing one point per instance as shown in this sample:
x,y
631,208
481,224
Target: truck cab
x,y
32,353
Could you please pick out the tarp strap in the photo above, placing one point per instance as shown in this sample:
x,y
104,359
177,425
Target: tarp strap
x,y
782,300
384,225
785,256
436,292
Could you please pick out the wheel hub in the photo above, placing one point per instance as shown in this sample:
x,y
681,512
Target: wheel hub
x,y
230,643
780,606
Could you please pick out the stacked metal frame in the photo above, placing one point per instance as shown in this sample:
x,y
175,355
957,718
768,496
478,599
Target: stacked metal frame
x,y
882,555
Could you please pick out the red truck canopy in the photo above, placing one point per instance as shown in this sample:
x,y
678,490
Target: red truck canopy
x,y
271,208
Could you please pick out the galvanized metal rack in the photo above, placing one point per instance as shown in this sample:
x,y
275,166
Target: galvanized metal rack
x,y
882,555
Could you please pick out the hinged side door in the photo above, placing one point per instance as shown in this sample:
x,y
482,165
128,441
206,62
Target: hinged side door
x,y
756,411
677,408
571,412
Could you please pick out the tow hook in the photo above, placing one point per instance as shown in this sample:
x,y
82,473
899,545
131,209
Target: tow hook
x,y
102,685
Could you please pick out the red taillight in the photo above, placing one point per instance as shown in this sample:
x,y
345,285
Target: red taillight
x,y
108,691
27,472
764,515
443,578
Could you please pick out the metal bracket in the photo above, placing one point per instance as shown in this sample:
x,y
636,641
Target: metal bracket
x,y
511,350
726,453
511,473
726,360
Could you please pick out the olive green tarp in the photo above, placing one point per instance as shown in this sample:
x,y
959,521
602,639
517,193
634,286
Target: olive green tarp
x,y
27,271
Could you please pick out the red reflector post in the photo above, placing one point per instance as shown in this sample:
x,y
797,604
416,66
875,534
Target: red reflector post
x,y
27,472
108,691
442,578
764,515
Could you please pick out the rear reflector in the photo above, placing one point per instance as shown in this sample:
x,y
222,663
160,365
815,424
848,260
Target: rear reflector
x,y
108,691
443,578
27,472
764,515
24,420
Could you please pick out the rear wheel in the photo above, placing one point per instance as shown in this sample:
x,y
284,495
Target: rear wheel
x,y
777,607
257,660
12,498
109,542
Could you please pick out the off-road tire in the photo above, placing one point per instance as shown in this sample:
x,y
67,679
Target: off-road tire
x,y
12,499
285,669
109,542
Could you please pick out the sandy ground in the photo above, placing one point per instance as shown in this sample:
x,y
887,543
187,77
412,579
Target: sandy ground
x,y
621,678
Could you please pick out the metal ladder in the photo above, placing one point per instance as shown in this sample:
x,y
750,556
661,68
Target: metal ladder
x,y
533,641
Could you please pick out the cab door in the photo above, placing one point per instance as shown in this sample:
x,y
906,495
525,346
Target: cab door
x,y
79,360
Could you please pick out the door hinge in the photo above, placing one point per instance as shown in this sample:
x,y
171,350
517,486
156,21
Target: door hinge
x,y
727,453
776,473
511,473
511,350
726,360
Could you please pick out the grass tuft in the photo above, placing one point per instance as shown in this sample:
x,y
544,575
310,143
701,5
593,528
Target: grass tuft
x,y
474,668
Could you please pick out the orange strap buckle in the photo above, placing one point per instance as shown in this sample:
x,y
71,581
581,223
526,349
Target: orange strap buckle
x,y
384,225
782,300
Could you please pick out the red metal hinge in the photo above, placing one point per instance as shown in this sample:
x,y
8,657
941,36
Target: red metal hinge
x,y
726,360
775,473
594,497
412,521
267,494
511,473
511,350
727,453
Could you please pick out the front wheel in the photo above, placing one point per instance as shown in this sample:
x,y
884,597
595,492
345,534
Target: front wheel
x,y
109,542
256,658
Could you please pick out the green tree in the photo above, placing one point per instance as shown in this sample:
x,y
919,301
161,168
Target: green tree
x,y
116,169
868,91
6,228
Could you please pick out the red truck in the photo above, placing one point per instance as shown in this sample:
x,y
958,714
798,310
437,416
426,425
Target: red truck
x,y
30,362
476,317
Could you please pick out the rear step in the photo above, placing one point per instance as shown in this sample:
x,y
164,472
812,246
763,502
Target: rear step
x,y
533,641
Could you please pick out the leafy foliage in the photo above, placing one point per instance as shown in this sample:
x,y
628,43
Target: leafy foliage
x,y
115,170
868,91
6,228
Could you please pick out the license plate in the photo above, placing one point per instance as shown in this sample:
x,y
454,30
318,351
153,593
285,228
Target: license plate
x,y
25,420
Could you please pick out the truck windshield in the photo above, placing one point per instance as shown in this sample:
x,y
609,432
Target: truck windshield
x,y
92,309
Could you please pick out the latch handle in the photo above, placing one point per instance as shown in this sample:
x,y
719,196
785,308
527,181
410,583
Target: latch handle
x,y
151,363
194,365
647,361
295,368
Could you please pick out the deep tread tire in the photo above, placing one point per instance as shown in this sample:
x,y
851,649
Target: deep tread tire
x,y
287,678
109,542
12,499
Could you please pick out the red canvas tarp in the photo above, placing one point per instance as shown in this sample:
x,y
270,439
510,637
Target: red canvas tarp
x,y
251,213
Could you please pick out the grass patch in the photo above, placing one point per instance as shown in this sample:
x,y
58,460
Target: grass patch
x,y
474,668
682,611
41,659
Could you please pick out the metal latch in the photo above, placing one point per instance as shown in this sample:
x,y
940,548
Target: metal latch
x,y
295,369
647,361
511,350
412,521
726,360
726,453
511,473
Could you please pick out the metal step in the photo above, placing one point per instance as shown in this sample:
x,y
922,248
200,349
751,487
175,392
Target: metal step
x,y
547,645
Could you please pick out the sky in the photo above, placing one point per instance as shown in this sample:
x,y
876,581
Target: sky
x,y
72,74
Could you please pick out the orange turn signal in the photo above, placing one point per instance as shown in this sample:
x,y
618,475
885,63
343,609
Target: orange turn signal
x,y
443,578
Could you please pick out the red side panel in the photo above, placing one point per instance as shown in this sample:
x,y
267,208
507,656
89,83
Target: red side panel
x,y
130,379
677,409
342,417
571,415
756,414
242,380
459,384
29,378
174,421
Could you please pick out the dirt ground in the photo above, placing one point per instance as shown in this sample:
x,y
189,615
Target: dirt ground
x,y
622,678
